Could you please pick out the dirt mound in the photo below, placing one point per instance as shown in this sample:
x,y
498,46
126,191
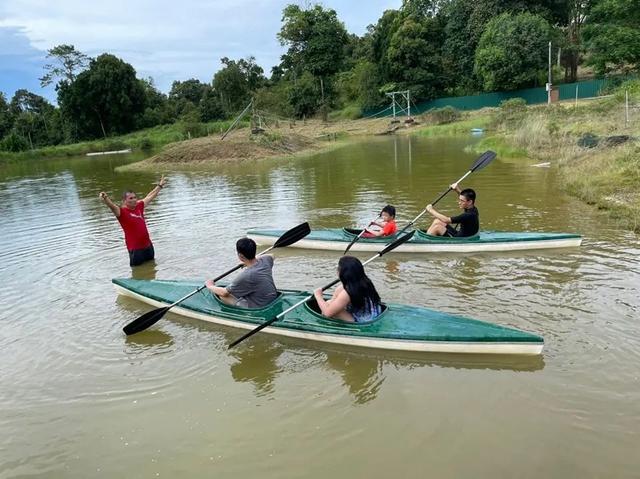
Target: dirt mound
x,y
233,148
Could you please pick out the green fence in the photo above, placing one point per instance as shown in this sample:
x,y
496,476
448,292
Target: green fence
x,y
567,91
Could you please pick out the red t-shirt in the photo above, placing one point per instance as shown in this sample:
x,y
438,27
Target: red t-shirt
x,y
388,229
136,235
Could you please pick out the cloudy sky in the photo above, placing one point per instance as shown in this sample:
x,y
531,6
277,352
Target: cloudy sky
x,y
165,40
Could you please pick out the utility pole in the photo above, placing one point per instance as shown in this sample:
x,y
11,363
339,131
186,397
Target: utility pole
x,y
549,82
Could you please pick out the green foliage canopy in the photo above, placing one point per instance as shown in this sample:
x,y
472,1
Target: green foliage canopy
x,y
512,51
103,100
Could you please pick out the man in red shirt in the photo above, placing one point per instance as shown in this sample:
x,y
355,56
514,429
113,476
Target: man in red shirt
x,y
131,217
385,227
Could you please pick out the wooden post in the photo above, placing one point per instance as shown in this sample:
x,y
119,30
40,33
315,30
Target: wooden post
x,y
626,108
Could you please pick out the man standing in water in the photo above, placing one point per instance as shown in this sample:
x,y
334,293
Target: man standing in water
x,y
469,221
130,215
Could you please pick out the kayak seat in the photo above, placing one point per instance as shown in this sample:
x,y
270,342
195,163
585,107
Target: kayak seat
x,y
228,307
355,232
423,233
312,304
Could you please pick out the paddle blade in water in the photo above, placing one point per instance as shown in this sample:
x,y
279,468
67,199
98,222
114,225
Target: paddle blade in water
x,y
486,158
293,235
145,321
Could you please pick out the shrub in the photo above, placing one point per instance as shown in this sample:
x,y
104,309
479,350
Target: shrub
x,y
14,143
511,110
145,144
441,116
631,86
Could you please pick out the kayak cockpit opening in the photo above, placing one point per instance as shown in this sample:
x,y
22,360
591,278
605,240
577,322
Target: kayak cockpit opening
x,y
312,305
240,308
423,234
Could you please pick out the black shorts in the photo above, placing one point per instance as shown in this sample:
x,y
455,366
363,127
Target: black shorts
x,y
451,232
139,256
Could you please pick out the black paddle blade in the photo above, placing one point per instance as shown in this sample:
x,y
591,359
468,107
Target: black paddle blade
x,y
353,242
486,158
293,235
146,320
398,242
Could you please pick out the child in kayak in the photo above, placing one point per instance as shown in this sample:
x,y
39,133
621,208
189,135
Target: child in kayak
x,y
356,299
385,226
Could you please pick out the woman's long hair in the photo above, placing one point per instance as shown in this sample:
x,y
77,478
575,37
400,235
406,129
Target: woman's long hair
x,y
357,284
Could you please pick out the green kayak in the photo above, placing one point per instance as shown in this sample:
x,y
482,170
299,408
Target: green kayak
x,y
337,239
399,327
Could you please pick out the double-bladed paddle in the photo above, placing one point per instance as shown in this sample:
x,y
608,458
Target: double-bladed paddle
x,y
152,317
391,246
482,161
360,235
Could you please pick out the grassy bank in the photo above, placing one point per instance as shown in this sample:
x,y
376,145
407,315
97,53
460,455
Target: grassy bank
x,y
605,175
148,140
278,141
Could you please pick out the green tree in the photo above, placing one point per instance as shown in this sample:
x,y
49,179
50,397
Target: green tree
x,y
210,106
512,51
104,100
612,35
236,82
69,62
361,85
576,13
34,118
316,42
304,95
381,34
157,110
415,57
190,90
315,39
6,118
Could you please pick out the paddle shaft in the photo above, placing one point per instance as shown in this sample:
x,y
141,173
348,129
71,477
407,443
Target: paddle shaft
x,y
360,235
436,201
218,278
259,328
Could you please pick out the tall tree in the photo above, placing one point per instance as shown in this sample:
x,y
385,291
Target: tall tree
x,y
612,35
34,118
577,13
6,118
512,51
68,62
106,99
316,41
415,57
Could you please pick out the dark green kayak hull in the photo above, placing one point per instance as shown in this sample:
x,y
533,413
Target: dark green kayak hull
x,y
337,239
399,327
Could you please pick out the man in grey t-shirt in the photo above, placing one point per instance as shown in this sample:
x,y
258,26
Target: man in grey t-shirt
x,y
254,287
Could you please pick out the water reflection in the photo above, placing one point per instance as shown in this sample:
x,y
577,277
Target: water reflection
x,y
257,363
361,375
362,372
147,270
149,341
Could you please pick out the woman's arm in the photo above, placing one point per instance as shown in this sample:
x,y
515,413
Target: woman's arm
x,y
331,308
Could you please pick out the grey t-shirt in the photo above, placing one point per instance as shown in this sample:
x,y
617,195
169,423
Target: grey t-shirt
x,y
255,284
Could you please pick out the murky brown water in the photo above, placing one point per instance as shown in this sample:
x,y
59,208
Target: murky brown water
x,y
78,399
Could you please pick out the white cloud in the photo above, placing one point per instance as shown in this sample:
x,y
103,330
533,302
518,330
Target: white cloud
x,y
170,40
